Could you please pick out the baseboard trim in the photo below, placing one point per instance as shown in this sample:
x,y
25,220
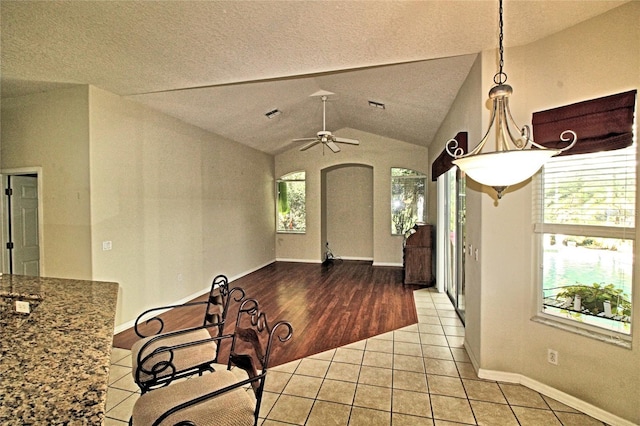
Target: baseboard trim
x,y
387,264
373,263
298,260
565,398
127,325
359,259
472,356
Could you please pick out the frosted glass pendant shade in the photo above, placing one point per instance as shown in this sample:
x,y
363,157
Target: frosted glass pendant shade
x,y
504,168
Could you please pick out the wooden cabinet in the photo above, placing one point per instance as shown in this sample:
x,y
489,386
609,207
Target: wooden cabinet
x,y
418,252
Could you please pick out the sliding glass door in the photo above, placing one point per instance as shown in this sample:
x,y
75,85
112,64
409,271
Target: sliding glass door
x,y
453,239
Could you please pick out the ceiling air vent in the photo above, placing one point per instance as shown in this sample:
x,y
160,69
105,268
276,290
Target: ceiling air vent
x,y
273,113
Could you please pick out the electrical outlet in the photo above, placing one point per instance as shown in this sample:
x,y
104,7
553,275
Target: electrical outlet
x,y
22,307
552,356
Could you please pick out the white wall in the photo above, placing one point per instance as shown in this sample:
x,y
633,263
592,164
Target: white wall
x,y
595,58
179,204
51,130
376,151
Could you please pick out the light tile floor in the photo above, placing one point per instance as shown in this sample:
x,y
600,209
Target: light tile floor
x,y
418,375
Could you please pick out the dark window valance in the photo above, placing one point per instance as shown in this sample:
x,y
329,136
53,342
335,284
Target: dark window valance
x,y
443,163
601,124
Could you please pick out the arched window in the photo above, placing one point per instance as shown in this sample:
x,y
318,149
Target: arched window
x,y
408,199
290,203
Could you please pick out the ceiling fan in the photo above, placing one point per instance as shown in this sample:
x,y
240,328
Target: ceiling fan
x,y
324,136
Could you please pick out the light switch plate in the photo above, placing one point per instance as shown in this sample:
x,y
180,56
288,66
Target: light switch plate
x,y
23,307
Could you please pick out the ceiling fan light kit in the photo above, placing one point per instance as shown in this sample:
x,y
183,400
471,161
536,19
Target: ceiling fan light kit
x,y
516,158
325,137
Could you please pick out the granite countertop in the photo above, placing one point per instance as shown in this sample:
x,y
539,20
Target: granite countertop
x,y
54,361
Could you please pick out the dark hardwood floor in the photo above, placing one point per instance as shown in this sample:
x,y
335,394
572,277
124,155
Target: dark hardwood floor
x,y
328,306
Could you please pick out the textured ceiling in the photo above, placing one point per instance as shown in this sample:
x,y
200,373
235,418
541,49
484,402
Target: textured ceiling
x,y
242,59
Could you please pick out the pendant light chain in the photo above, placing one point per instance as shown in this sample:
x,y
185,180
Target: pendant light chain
x,y
500,77
515,159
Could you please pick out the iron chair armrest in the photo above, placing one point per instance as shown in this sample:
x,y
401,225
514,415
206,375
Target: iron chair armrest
x,y
140,320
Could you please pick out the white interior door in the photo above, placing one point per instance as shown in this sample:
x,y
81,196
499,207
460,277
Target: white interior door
x,y
24,248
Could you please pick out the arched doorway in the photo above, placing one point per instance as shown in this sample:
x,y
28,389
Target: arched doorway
x,y
347,211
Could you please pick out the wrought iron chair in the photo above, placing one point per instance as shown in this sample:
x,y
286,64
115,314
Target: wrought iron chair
x,y
220,398
161,357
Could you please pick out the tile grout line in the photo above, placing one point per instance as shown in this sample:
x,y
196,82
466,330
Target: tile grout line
x,y
429,308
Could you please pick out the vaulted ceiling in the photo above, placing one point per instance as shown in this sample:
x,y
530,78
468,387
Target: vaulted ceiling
x,y
223,65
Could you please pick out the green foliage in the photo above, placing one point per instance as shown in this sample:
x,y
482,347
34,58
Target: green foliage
x,y
291,206
283,200
573,192
605,201
593,297
403,220
408,189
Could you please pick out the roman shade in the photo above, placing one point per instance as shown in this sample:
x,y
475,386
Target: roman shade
x,y
443,163
601,124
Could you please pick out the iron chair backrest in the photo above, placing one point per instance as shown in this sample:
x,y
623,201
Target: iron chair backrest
x,y
251,346
213,315
162,358
252,343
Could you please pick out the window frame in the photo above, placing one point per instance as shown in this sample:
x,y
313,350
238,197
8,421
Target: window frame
x,y
290,177
540,229
417,175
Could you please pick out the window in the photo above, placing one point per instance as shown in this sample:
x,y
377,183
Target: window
x,y
290,205
585,227
408,199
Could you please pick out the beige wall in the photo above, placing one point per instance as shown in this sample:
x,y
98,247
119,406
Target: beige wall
x,y
596,58
466,115
180,205
50,130
378,152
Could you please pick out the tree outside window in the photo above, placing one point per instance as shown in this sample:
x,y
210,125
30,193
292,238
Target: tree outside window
x,y
408,199
290,203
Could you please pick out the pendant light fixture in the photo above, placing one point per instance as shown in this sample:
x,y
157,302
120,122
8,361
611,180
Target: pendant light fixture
x,y
516,158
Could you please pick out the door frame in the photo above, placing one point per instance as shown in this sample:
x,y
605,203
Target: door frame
x,y
4,214
443,257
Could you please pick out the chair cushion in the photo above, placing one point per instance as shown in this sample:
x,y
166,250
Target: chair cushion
x,y
184,358
233,408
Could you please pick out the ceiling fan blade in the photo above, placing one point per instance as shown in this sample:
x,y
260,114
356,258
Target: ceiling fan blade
x,y
303,139
333,146
346,140
309,145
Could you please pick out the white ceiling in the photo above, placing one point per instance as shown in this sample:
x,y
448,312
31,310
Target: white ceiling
x,y
222,65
